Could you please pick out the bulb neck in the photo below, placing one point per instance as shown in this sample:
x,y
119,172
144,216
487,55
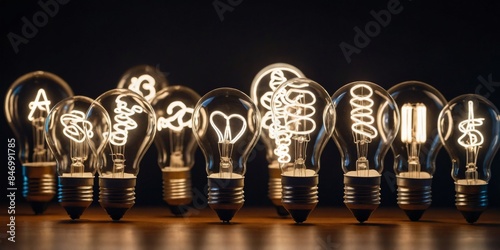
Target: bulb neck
x,y
117,195
75,194
362,195
39,184
225,196
300,196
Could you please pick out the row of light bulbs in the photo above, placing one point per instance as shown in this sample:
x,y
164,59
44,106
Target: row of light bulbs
x,y
292,115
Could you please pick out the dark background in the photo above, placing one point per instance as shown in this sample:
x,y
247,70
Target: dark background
x,y
90,44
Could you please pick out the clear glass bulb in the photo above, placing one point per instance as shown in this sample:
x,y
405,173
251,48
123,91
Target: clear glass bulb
x,y
73,130
27,105
303,119
370,122
417,144
145,80
175,143
226,124
264,84
469,128
133,127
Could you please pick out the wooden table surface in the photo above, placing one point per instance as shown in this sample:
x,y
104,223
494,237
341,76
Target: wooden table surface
x,y
251,228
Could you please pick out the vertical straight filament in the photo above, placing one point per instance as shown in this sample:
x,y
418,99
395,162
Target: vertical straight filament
x,y
413,133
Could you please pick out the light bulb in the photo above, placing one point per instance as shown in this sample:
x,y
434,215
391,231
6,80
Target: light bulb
x,y
469,127
144,80
226,124
264,84
74,132
370,122
27,104
175,143
303,119
133,127
417,144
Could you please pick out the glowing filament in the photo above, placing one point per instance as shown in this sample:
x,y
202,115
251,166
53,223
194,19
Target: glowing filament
x,y
39,108
145,82
471,140
293,122
277,77
176,124
362,113
119,136
362,128
177,121
41,102
226,139
413,133
413,123
76,127
124,123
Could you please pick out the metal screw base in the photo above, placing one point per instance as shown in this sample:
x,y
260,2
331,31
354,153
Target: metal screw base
x,y
471,200
116,195
225,197
75,194
275,190
39,184
300,196
414,196
177,190
361,195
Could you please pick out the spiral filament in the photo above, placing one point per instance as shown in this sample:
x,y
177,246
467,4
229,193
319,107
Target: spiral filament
x,y
119,135
413,133
277,77
293,121
39,109
77,129
226,139
362,117
145,82
471,140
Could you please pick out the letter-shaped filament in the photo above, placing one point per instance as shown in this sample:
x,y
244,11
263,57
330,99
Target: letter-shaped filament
x,y
471,140
77,129
39,109
176,123
226,140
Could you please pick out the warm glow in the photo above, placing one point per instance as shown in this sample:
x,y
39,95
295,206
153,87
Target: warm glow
x,y
471,137
76,127
123,122
179,120
362,113
277,77
41,102
226,136
413,123
145,82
